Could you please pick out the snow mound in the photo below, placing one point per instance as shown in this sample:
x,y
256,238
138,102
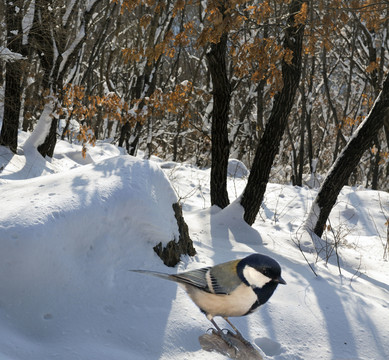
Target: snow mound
x,y
22,166
94,191
67,241
72,227
237,169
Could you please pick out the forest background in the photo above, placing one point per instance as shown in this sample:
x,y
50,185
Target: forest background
x,y
280,85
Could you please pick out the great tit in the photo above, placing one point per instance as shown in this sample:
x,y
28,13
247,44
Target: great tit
x,y
233,288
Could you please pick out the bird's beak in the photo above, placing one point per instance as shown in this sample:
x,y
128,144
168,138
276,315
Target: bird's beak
x,y
280,280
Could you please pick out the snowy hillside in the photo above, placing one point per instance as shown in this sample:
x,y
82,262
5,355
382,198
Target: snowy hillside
x,y
71,228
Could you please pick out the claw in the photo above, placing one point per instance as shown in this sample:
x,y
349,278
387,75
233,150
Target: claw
x,y
211,330
226,339
229,333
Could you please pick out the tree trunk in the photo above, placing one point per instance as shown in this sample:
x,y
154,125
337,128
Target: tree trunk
x,y
347,161
339,135
48,146
51,49
43,43
13,76
308,119
386,128
12,101
221,89
147,82
283,101
299,180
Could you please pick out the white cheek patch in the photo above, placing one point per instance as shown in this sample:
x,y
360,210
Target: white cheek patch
x,y
254,277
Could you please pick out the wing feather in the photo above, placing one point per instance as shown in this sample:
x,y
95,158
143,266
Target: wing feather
x,y
219,279
197,278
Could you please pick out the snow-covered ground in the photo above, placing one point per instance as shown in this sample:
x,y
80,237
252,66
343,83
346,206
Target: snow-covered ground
x,y
71,228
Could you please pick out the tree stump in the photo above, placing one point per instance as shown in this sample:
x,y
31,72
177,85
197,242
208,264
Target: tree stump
x,y
171,253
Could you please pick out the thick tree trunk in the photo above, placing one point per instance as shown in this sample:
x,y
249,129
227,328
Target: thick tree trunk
x,y
347,161
221,89
12,101
43,43
13,77
283,101
48,146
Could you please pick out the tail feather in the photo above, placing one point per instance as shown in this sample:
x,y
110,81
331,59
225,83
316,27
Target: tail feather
x,y
194,278
156,274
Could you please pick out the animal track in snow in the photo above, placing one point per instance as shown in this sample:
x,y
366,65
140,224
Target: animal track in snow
x,y
268,346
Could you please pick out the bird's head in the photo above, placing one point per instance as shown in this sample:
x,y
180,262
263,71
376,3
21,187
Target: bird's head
x,y
257,270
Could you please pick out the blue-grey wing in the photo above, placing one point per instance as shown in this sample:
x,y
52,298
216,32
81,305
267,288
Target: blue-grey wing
x,y
220,279
197,278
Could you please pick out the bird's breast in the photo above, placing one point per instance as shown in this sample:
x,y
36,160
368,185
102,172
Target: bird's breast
x,y
237,303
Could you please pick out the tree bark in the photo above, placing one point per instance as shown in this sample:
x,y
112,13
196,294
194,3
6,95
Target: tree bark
x,y
13,77
221,89
268,145
12,102
347,161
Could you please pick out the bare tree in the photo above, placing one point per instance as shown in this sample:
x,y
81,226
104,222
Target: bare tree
x,y
221,90
347,161
58,53
268,145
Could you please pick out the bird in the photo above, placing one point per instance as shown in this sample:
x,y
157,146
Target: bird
x,y
231,289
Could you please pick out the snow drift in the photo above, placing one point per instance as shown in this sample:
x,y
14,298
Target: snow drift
x,y
71,228
67,241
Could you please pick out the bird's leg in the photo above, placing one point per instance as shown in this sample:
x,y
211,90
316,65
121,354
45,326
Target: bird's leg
x,y
216,325
233,327
222,335
220,331
237,332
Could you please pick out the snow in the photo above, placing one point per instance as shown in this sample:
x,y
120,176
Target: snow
x,y
27,21
237,169
42,128
8,55
68,11
72,47
71,228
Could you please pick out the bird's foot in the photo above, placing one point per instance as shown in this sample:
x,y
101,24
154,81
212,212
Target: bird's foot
x,y
237,334
229,344
226,335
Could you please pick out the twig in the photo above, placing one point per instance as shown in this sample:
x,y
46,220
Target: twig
x,y
298,244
